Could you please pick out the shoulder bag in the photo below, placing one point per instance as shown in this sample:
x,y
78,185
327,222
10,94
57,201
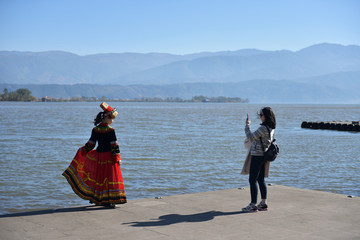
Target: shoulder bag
x,y
273,150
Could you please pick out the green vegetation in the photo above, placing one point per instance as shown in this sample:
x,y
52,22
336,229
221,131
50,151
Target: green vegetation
x,y
21,95
24,95
157,99
219,99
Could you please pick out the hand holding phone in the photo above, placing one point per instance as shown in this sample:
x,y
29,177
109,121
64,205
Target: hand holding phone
x,y
247,119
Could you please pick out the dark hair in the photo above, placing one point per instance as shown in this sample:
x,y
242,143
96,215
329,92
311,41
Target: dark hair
x,y
270,119
99,118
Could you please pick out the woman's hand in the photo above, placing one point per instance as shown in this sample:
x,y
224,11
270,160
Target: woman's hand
x,y
247,120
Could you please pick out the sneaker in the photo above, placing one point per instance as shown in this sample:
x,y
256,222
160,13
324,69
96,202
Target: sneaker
x,y
250,208
262,207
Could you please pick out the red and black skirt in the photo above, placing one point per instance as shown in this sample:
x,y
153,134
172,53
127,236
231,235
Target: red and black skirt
x,y
96,177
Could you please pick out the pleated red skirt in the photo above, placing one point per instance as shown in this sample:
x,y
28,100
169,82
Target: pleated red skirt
x,y
96,177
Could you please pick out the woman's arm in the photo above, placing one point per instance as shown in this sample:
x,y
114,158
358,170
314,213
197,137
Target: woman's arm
x,y
253,136
91,143
115,149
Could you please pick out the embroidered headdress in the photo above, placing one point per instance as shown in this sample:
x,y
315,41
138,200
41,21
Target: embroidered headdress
x,y
112,112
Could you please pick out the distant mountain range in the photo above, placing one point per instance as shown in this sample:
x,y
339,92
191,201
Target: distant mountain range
x,y
323,73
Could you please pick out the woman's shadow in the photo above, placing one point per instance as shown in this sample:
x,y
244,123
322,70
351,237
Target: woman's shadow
x,y
51,211
178,218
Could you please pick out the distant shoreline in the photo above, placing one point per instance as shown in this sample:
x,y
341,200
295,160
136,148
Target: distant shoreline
x,y
195,99
24,95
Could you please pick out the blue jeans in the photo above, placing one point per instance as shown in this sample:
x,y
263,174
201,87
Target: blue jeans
x,y
257,175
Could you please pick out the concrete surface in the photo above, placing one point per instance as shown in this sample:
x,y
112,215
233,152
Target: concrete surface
x,y
293,214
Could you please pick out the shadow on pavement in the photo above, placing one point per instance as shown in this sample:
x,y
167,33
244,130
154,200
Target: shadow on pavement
x,y
50,211
178,218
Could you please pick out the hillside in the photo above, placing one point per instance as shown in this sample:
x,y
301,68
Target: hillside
x,y
319,73
322,89
57,67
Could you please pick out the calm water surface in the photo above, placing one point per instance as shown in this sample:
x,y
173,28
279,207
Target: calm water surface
x,y
170,148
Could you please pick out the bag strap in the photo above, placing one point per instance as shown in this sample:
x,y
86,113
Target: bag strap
x,y
262,145
268,131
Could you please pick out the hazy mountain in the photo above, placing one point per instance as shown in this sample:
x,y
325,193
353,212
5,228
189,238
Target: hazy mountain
x,y
274,65
57,67
161,68
310,62
332,88
66,68
320,73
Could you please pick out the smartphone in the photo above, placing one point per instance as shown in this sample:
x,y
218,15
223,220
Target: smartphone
x,y
247,116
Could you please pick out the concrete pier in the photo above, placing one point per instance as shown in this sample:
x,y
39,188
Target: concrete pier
x,y
293,214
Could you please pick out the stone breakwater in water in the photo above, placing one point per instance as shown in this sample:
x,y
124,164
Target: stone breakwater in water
x,y
353,126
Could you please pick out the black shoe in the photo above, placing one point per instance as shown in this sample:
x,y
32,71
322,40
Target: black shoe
x,y
108,205
262,207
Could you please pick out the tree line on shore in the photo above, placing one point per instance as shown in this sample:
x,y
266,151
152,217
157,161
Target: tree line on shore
x,y
21,95
24,95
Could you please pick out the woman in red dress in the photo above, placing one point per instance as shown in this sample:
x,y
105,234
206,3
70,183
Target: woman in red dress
x,y
95,175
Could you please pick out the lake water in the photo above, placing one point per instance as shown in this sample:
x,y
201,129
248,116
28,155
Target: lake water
x,y
170,148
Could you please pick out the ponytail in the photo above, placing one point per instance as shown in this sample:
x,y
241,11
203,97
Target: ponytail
x,y
99,118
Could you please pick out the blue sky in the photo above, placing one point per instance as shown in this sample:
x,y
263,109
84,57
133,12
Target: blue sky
x,y
175,26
